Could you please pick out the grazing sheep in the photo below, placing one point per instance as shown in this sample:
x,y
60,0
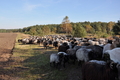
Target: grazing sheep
x,y
58,59
54,58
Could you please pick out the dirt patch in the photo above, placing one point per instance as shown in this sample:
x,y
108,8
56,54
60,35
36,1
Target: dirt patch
x,y
7,42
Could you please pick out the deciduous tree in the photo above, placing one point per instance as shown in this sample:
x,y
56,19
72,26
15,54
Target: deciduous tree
x,y
66,26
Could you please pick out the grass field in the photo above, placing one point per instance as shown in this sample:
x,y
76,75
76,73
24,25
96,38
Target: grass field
x,y
31,62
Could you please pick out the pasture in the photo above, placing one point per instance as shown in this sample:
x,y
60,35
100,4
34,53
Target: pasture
x,y
31,62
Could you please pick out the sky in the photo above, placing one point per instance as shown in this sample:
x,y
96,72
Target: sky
x,y
15,14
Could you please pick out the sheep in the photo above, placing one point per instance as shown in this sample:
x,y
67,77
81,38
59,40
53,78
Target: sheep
x,y
114,54
72,54
25,41
63,47
19,40
77,47
106,47
95,71
55,44
58,60
45,44
110,45
102,41
87,53
96,52
93,42
54,58
82,54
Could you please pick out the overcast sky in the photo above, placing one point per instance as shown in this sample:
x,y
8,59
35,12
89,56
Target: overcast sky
x,y
16,14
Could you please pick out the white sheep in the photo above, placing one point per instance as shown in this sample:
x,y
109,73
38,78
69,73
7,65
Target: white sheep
x,y
54,58
106,47
58,59
114,54
93,42
82,54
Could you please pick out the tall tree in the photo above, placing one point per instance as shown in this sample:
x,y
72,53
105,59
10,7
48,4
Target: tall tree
x,y
66,26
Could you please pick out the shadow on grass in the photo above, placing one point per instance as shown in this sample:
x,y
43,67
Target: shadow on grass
x,y
39,65
33,64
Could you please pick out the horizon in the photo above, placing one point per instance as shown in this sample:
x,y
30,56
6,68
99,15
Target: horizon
x,y
60,23
26,13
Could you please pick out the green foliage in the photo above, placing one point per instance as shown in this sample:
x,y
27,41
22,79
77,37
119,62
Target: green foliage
x,y
116,28
94,28
79,31
105,35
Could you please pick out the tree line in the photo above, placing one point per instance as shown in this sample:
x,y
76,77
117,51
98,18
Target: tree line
x,y
78,29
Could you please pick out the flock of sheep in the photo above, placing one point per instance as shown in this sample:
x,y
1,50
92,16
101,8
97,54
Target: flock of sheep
x,y
100,61
99,58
